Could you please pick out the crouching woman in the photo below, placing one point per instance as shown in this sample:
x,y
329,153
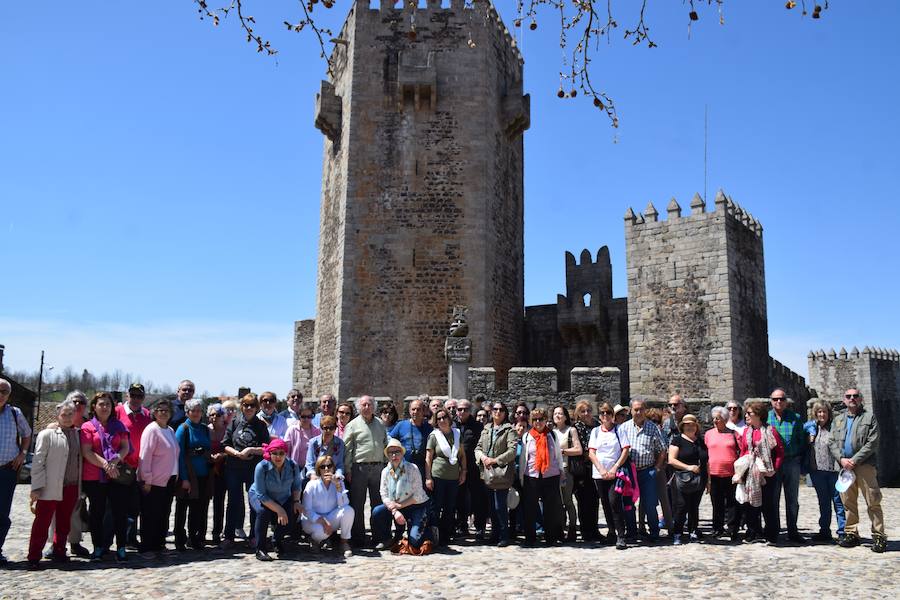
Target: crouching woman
x,y
404,502
326,508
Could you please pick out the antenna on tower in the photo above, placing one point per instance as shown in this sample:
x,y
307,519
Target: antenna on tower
x,y
705,148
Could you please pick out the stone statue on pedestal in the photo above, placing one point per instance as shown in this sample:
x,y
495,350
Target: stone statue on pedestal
x,y
458,352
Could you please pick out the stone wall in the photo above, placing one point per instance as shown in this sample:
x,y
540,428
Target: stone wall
x,y
586,326
696,302
793,384
304,335
538,386
875,372
422,199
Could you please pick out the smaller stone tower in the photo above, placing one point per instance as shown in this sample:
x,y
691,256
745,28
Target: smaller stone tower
x,y
696,302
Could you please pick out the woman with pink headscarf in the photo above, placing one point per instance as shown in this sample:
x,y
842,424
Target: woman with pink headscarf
x,y
275,494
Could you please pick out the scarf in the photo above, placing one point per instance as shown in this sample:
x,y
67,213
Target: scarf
x,y
398,482
761,463
452,454
541,450
106,435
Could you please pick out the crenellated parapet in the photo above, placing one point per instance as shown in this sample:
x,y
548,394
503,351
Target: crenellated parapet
x,y
723,206
537,386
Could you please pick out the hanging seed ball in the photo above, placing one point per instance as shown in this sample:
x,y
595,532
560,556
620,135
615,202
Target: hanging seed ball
x,y
790,4
573,93
560,93
694,15
597,103
533,25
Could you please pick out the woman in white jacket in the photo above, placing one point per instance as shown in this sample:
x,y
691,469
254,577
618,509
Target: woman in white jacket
x,y
55,483
326,509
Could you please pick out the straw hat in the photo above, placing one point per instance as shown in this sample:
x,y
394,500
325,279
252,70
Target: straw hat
x,y
393,443
688,419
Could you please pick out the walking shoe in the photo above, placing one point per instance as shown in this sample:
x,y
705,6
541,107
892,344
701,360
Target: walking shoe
x,y
695,536
79,550
879,543
121,555
850,540
620,543
822,536
503,543
346,550
33,565
797,538
263,556
60,558
97,554
381,546
240,533
226,544
676,539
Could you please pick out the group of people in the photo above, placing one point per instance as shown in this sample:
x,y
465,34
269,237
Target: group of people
x,y
307,473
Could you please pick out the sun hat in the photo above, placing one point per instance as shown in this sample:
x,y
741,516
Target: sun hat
x,y
845,480
688,419
619,408
393,443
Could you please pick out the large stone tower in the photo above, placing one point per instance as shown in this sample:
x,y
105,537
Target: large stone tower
x,y
697,302
422,197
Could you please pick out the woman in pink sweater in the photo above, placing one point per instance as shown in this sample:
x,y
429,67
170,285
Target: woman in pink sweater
x,y
157,472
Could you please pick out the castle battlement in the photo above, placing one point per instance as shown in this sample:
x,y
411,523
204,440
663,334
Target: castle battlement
x,y
821,356
420,12
723,204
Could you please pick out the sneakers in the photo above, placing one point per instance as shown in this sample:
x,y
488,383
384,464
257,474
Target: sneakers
x,y
695,536
879,543
620,543
79,550
97,554
345,549
121,555
381,546
676,539
850,540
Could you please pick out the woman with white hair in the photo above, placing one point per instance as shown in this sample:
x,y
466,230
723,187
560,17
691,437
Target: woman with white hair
x,y
722,445
55,483
192,493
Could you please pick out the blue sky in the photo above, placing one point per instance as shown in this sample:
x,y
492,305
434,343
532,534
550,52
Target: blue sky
x,y
159,179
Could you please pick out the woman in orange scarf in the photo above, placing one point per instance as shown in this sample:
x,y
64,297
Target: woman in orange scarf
x,y
541,475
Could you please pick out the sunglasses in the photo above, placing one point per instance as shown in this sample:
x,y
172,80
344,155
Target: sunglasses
x,y
162,410
243,406
395,452
276,453
606,412
328,429
777,399
462,408
76,402
444,418
328,467
497,409
269,401
675,405
343,412
538,419
306,416
851,396
733,408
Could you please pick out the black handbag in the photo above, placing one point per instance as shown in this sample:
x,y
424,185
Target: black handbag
x,y
688,482
126,474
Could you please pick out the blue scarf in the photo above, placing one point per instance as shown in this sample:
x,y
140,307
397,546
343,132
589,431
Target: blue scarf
x,y
398,482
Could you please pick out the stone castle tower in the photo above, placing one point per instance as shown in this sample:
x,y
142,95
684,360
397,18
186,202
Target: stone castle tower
x,y
697,320
422,197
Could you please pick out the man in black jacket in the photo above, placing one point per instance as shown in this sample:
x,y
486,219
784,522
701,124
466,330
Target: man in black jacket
x,y
472,493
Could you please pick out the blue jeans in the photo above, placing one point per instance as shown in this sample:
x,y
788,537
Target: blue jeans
x,y
499,515
7,489
237,482
415,523
647,486
788,479
443,505
824,482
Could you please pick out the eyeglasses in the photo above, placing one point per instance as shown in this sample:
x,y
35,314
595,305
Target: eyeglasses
x,y
5,392
606,412
246,406
777,399
496,409
213,415
162,410
328,467
344,412
76,402
306,416
276,453
269,401
395,452
444,418
733,408
328,429
462,408
852,396
637,410
538,419
674,404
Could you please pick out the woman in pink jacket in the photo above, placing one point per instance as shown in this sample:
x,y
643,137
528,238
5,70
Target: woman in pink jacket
x,y
157,472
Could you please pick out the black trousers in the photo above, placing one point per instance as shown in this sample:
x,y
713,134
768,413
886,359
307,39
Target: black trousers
x,y
218,501
545,489
194,512
588,507
472,500
613,509
686,509
768,511
156,505
726,511
117,497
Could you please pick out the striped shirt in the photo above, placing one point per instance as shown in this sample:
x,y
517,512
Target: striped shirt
x,y
646,442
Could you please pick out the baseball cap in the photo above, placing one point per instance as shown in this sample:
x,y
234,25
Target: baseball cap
x,y
845,480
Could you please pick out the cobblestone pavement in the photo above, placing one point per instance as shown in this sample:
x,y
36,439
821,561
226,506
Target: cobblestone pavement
x,y
468,571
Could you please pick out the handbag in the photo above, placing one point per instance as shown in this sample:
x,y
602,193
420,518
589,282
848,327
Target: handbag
x,y
577,464
127,474
687,482
498,478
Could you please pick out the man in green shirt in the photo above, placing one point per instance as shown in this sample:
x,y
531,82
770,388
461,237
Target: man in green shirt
x,y
365,439
789,425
